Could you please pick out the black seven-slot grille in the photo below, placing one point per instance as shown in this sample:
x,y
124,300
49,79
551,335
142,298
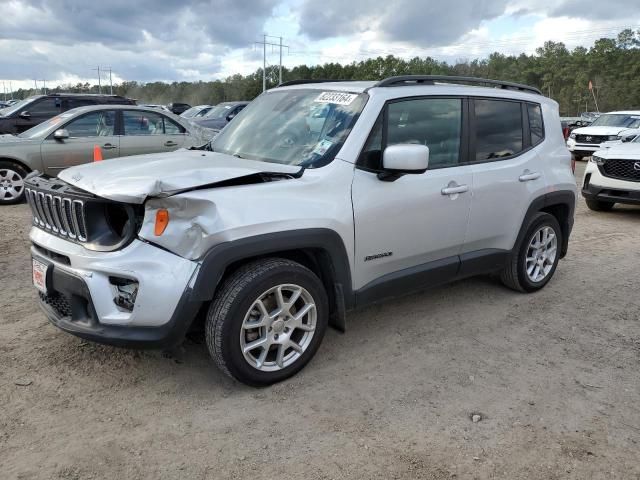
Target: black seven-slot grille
x,y
62,215
621,169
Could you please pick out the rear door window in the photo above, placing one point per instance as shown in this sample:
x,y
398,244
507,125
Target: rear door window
x,y
142,123
499,131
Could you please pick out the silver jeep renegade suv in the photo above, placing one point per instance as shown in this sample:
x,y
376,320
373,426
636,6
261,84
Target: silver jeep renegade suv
x,y
316,199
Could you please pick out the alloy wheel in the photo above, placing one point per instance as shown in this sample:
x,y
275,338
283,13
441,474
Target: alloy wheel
x,y
541,253
11,184
278,327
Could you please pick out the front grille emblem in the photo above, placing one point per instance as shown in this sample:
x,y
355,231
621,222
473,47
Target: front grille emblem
x,y
636,166
588,139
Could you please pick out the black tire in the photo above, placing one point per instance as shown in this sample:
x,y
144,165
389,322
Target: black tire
x,y
234,299
9,173
514,274
577,158
599,205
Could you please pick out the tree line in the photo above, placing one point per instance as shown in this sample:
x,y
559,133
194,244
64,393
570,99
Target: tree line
x,y
611,64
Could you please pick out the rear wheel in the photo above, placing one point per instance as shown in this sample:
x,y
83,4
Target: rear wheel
x,y
267,321
11,182
535,259
599,205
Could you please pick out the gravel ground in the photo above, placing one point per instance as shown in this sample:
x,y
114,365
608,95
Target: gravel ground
x,y
554,377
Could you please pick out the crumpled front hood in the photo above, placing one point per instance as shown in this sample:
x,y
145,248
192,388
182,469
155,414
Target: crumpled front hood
x,y
134,179
622,151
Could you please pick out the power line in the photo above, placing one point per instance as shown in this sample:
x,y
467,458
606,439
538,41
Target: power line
x,y
264,44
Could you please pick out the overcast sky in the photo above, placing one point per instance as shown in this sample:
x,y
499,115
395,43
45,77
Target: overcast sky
x,y
62,41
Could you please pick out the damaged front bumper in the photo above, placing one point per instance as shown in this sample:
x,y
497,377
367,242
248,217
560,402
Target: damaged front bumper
x,y
84,292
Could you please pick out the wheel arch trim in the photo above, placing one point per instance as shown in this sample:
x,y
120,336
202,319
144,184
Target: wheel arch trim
x,y
219,258
550,203
4,158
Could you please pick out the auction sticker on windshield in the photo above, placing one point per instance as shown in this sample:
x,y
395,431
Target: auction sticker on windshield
x,y
338,98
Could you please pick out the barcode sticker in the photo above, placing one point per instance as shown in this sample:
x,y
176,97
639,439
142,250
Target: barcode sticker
x,y
338,98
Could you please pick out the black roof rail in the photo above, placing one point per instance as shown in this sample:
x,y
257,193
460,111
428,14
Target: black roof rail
x,y
407,80
310,80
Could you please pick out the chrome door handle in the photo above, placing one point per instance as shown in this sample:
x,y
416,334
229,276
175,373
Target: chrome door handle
x,y
453,189
170,144
527,176
108,146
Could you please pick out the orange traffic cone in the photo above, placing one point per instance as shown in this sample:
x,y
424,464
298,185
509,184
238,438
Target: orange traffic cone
x,y
97,153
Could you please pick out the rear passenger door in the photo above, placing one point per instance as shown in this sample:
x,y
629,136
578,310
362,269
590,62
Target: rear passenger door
x,y
149,132
507,171
412,225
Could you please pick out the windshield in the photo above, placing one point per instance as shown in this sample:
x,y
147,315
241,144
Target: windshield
x,y
42,128
16,107
219,111
617,120
294,127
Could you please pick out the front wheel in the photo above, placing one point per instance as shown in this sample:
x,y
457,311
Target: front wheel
x,y
267,321
534,260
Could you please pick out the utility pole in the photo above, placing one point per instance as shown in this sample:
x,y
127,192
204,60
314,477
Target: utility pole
x,y
44,86
110,83
99,84
11,90
280,70
264,44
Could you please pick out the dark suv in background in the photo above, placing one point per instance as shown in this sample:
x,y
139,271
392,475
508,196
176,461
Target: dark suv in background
x,y
178,108
34,110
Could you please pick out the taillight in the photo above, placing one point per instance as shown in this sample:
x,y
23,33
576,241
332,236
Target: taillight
x,y
573,164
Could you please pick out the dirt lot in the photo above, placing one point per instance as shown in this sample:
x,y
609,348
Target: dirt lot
x,y
555,377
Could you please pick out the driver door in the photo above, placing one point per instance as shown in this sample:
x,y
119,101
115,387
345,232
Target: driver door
x,y
86,131
410,231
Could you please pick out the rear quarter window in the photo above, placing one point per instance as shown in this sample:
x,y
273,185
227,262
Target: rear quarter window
x,y
536,125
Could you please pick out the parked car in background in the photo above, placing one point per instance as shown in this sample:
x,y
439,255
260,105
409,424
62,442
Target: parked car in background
x,y
178,108
197,111
32,111
154,106
4,104
613,176
221,114
589,117
569,124
608,127
69,139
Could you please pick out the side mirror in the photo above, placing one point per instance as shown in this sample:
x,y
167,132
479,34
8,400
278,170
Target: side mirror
x,y
61,134
231,116
628,138
405,158
25,114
